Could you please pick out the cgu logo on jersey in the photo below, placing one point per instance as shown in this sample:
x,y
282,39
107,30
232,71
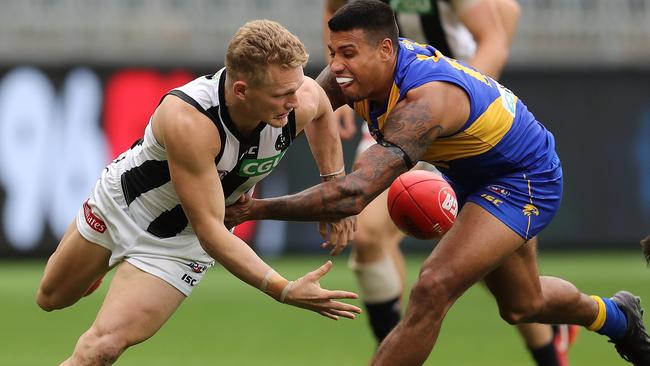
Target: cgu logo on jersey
x,y
530,209
255,167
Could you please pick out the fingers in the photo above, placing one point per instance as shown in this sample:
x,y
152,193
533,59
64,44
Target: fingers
x,y
322,270
328,315
322,229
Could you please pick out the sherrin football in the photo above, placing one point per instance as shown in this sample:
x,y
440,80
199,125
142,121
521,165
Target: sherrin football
x,y
422,204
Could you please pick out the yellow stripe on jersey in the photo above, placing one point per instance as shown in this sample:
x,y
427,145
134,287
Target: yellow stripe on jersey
x,y
481,136
363,109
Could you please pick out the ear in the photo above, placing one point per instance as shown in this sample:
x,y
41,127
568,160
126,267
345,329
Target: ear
x,y
386,49
240,87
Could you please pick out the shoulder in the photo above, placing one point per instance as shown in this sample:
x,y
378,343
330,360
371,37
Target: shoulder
x,y
176,122
310,96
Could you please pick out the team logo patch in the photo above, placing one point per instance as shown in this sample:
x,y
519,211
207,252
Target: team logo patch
x,y
92,220
530,209
499,190
197,268
281,143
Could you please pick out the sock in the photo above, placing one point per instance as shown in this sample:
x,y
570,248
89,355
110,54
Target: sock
x,y
545,356
610,321
383,317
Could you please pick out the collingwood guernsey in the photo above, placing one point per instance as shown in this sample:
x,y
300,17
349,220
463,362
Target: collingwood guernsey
x,y
139,181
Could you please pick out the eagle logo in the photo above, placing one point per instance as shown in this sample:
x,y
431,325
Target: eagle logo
x,y
530,209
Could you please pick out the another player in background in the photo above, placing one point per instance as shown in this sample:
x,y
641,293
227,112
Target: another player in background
x,y
423,106
157,211
476,31
645,245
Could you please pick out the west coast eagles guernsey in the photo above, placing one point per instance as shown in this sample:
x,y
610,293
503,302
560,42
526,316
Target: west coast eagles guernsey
x,y
500,136
139,181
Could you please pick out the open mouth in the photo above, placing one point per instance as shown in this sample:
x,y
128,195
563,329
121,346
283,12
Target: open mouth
x,y
343,81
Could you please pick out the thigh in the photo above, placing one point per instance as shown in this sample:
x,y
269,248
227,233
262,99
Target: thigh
x,y
515,283
75,265
476,244
136,306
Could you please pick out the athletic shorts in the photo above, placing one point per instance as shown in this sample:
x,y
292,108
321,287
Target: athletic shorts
x,y
524,201
179,261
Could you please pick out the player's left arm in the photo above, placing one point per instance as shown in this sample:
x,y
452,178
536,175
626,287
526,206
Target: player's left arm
x,y
431,110
319,123
493,24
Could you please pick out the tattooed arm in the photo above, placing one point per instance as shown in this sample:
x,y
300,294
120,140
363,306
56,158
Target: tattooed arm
x,y
429,111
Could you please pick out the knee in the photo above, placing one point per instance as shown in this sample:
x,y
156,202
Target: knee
x,y
524,312
431,295
50,299
99,348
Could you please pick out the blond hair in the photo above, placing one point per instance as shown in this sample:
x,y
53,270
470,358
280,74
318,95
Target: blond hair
x,y
259,43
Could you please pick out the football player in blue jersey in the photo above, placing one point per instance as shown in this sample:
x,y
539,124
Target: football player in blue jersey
x,y
478,32
423,106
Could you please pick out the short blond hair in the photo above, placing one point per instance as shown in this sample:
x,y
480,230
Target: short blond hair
x,y
259,43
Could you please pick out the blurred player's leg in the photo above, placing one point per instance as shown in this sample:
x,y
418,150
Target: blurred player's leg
x,y
379,266
71,270
136,306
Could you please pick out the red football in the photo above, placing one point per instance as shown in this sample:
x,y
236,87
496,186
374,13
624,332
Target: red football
x,y
422,204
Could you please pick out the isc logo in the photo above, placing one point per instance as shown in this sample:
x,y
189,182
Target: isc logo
x,y
254,167
189,280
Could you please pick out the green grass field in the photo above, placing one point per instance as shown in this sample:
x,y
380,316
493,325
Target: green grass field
x,y
228,323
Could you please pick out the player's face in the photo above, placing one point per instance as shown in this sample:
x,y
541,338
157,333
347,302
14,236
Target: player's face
x,y
359,66
277,96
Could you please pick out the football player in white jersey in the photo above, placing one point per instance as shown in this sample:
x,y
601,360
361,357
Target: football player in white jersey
x,y
157,211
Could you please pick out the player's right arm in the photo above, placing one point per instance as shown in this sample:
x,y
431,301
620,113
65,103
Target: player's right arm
x,y
428,111
192,143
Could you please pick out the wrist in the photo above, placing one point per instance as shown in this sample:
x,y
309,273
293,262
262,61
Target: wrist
x,y
275,285
329,176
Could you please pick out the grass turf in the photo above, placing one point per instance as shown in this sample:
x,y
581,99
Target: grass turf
x,y
228,323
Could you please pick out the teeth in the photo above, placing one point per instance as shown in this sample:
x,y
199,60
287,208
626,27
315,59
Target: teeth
x,y
343,80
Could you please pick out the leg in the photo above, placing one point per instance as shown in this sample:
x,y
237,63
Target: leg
x,y
476,244
70,271
379,266
136,306
539,337
524,297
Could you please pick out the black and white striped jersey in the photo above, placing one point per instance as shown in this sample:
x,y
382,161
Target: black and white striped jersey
x,y
139,180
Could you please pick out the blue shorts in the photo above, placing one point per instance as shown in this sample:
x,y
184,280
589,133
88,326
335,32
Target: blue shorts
x,y
524,201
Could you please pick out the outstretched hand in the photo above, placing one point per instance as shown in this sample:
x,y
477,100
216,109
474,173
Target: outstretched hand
x,y
306,293
239,211
337,234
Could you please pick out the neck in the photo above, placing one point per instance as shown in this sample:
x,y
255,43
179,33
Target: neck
x,y
386,85
242,117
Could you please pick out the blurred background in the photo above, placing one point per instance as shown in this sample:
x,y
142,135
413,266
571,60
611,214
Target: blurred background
x,y
80,78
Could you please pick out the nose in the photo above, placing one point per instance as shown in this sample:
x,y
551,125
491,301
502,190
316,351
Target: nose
x,y
292,102
336,66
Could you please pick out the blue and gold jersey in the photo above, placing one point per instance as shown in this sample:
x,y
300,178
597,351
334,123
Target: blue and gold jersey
x,y
500,136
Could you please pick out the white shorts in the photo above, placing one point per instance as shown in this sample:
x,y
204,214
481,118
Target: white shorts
x,y
179,261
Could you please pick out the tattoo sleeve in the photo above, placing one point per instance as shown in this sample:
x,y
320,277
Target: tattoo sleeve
x,y
410,126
